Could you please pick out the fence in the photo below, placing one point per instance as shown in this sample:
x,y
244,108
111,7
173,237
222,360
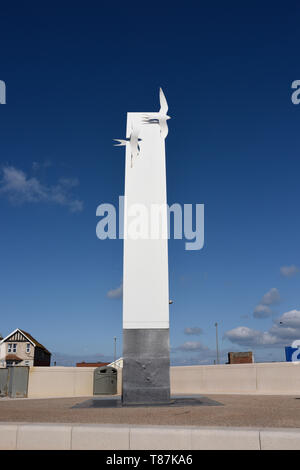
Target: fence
x,y
14,382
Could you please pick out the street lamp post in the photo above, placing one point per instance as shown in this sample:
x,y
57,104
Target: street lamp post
x,y
217,342
115,349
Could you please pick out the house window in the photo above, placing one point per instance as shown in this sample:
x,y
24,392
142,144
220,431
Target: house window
x,y
28,347
9,347
14,347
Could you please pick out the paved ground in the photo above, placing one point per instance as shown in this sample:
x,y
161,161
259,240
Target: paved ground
x,y
237,410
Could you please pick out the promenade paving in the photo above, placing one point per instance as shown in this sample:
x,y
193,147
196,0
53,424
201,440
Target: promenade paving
x,y
235,411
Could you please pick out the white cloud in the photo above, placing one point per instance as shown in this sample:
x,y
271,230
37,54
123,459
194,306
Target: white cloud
x,y
115,293
271,297
262,311
20,189
195,330
245,336
289,271
284,330
290,319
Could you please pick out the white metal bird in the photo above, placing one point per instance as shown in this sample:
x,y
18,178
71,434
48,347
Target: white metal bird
x,y
133,141
161,117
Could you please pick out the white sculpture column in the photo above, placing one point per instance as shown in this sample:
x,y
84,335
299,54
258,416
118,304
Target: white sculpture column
x,y
146,357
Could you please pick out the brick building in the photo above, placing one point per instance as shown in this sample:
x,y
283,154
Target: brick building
x,y
240,357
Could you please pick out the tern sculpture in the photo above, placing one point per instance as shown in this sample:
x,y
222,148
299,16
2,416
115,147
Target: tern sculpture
x,y
161,117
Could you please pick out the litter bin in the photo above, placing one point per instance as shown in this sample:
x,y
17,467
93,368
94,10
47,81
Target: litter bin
x,y
105,381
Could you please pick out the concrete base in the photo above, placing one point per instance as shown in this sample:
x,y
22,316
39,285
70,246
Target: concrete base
x,y
177,401
146,366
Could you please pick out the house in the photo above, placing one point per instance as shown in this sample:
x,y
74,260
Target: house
x,y
19,348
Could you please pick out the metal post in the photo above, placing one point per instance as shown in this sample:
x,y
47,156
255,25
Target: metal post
x,y
115,349
217,342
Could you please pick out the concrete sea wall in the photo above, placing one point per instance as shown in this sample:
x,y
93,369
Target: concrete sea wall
x,y
281,378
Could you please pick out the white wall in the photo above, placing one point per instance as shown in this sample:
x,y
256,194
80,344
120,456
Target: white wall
x,y
63,381
280,378
60,382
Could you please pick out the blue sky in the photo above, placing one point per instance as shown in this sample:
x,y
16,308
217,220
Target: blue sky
x,y
72,73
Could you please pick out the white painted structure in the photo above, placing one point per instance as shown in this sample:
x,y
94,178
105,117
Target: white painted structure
x,y
146,350
145,275
118,363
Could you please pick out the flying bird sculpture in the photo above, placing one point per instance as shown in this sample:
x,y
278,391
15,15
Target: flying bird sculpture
x,y
161,117
133,141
